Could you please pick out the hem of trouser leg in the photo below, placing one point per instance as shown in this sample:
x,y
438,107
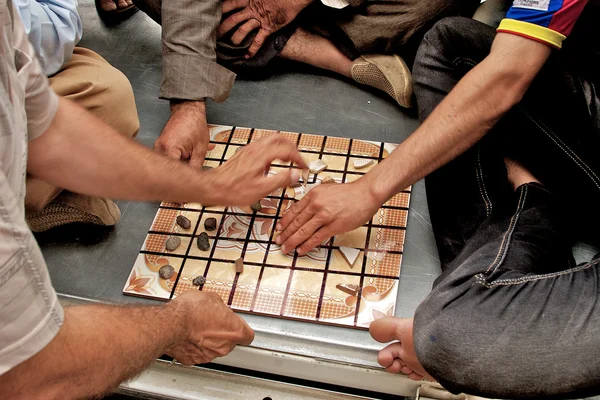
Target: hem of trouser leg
x,y
505,244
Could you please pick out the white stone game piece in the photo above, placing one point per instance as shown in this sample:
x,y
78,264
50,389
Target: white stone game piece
x,y
360,163
317,166
350,254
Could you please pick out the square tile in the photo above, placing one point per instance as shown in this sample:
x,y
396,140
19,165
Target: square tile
x,y
401,199
196,252
240,135
314,259
364,170
144,280
352,176
339,307
378,300
310,142
334,163
156,243
390,217
262,133
271,290
365,148
228,249
384,239
262,228
216,154
383,264
206,215
166,221
191,269
337,145
219,279
219,133
339,263
255,252
303,297
231,150
246,288
356,238
235,226
276,257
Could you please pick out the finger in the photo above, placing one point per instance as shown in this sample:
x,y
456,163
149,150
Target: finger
x,y
244,30
233,21
301,215
294,212
230,5
316,239
247,333
197,158
257,43
211,146
406,370
122,4
304,230
389,328
279,147
270,183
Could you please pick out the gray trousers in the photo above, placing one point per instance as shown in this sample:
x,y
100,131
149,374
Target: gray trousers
x,y
512,315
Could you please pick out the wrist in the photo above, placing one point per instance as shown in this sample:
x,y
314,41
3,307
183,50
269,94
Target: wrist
x,y
175,312
375,190
192,108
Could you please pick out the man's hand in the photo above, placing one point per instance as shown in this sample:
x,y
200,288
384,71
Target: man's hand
x,y
209,328
325,211
243,179
399,356
185,136
268,16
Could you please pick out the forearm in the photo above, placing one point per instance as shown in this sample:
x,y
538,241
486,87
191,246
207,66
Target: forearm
x,y
96,348
469,111
82,154
190,70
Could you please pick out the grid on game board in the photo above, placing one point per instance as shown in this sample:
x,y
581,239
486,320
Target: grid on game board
x,y
310,281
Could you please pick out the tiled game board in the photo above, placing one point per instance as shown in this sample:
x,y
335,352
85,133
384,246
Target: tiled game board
x,y
273,283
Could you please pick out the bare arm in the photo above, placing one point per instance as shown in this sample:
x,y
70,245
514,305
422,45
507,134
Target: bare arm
x,y
98,347
471,109
82,154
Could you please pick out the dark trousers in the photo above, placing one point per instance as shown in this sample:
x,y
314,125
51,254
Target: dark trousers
x,y
511,315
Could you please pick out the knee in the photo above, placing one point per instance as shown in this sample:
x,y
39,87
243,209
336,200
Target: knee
x,y
115,102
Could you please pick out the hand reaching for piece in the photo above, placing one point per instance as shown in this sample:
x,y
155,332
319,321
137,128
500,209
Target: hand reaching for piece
x,y
242,180
268,16
399,356
325,211
186,136
209,328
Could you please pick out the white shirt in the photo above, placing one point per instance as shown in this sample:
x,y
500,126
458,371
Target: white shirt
x,y
30,314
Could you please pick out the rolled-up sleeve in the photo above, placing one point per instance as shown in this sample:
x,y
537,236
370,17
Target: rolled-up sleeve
x,y
190,70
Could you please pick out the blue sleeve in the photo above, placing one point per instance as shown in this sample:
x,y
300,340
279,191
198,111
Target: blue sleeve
x,y
54,28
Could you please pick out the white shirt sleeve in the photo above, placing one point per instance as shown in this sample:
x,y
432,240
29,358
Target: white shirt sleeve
x,y
54,28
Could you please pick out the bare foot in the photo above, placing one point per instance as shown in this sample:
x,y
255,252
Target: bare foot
x,y
517,174
399,356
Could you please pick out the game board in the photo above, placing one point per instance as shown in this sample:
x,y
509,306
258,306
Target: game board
x,y
272,283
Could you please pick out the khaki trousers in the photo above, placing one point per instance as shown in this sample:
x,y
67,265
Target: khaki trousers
x,y
90,81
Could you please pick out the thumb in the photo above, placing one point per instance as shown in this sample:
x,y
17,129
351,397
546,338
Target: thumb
x,y
389,328
197,159
280,180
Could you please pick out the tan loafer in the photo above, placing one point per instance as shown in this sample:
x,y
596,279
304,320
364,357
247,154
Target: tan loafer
x,y
385,72
69,208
